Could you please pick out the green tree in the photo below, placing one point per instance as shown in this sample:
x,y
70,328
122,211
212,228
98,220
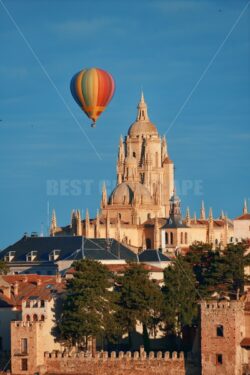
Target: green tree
x,y
89,306
235,260
140,301
180,296
4,269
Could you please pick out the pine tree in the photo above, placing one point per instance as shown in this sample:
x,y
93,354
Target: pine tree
x,y
140,301
88,306
180,296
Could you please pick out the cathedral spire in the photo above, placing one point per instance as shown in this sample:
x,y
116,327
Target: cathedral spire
x,y
188,220
97,225
53,224
222,215
195,218
210,214
142,113
104,195
87,224
202,212
245,210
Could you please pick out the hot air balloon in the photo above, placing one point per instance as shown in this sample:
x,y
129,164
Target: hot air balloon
x,y
92,89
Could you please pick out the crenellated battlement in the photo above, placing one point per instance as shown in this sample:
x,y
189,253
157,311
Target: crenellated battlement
x,y
222,305
22,324
117,356
121,363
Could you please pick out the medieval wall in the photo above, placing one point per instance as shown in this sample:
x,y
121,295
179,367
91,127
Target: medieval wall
x,y
121,364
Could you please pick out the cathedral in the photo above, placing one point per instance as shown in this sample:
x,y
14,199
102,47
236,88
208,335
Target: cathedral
x,y
143,211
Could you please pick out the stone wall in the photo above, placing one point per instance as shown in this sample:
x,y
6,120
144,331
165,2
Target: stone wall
x,y
115,364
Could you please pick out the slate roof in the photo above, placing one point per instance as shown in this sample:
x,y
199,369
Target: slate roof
x,y
70,248
153,256
173,223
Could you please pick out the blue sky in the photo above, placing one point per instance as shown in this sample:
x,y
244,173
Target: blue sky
x,y
162,46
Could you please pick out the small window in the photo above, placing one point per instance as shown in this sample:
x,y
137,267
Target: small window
x,y
27,318
27,303
24,346
42,303
24,364
181,237
186,238
166,237
219,359
42,318
220,331
134,154
171,238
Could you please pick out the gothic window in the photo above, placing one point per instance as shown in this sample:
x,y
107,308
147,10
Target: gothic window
x,y
24,345
171,238
181,237
42,318
220,331
219,359
148,243
186,238
27,318
166,237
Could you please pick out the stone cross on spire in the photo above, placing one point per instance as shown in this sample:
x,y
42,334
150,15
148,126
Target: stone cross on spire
x,y
142,114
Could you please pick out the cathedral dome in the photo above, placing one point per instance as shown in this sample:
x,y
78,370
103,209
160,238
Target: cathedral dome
x,y
142,125
125,193
142,128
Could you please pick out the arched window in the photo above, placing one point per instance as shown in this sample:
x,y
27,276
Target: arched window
x,y
186,238
166,237
134,154
171,238
35,318
42,304
42,318
181,237
27,318
220,331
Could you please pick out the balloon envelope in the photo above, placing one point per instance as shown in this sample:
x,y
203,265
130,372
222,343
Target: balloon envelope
x,y
92,89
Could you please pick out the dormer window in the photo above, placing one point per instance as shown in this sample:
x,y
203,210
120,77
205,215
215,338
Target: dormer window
x,y
54,255
10,256
30,257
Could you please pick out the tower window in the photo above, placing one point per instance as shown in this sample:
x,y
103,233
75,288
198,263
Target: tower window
x,y
166,237
220,331
181,237
219,359
24,364
24,346
171,238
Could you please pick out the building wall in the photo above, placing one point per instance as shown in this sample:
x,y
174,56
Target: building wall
x,y
241,229
230,315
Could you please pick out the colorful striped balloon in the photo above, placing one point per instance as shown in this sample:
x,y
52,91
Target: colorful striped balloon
x,y
92,89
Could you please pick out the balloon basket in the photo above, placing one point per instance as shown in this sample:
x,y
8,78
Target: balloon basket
x,y
93,125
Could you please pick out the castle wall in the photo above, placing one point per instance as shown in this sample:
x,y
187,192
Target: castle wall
x,y
121,364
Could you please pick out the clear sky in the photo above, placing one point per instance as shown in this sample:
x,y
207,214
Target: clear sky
x,y
190,57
